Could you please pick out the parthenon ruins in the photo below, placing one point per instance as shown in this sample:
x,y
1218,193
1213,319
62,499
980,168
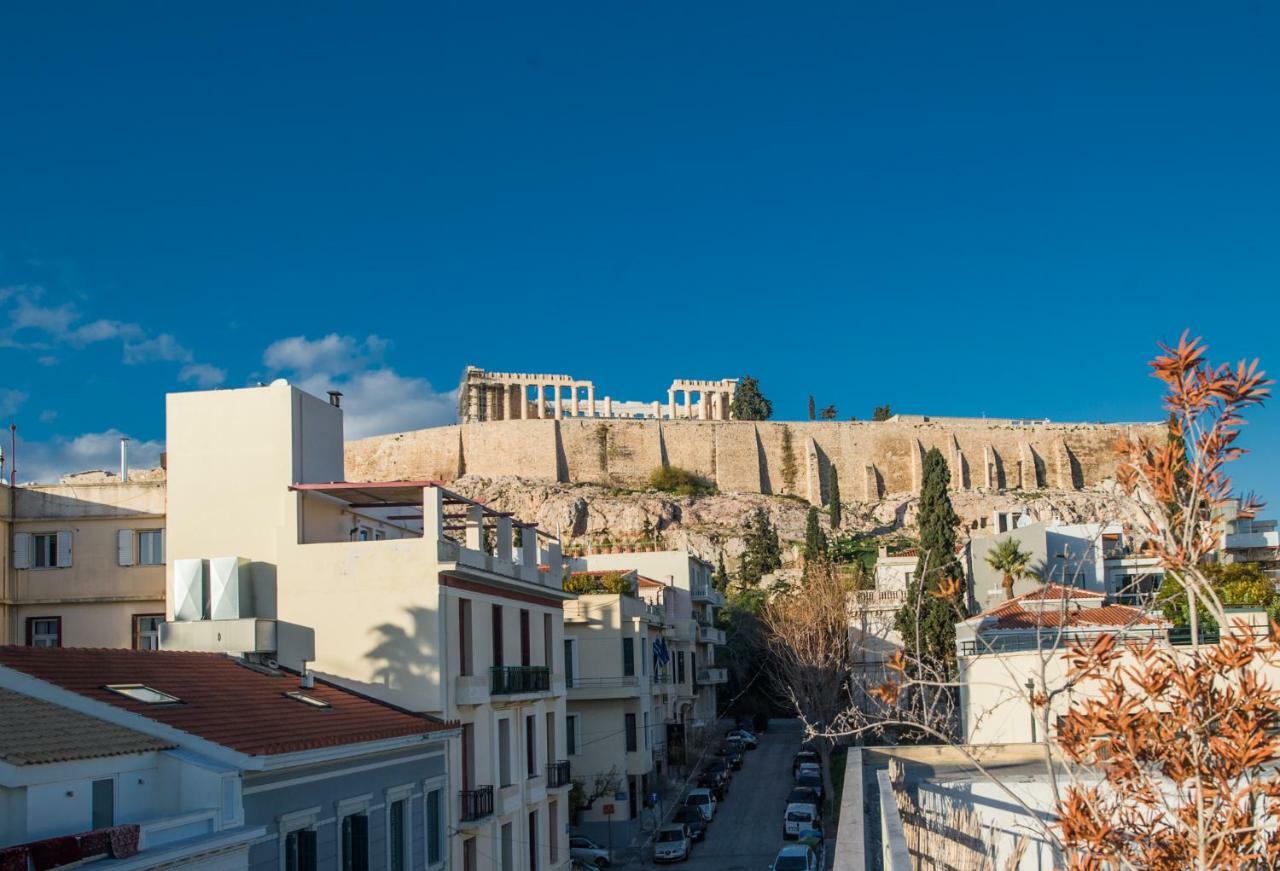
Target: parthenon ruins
x,y
489,396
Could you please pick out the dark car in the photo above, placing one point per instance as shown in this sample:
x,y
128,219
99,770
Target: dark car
x,y
803,795
716,782
734,758
719,766
693,820
805,756
811,781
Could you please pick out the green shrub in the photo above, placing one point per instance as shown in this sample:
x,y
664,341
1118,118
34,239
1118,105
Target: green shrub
x,y
674,479
607,582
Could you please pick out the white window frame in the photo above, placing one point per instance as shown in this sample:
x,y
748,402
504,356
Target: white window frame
x,y
577,733
141,551
429,786
57,620
292,822
394,794
137,630
357,804
62,550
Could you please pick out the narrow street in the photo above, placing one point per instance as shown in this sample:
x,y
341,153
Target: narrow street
x,y
747,830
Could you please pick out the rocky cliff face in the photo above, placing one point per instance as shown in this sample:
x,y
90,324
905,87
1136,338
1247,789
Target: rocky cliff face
x,y
589,515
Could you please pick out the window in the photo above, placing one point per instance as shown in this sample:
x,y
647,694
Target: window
x,y
630,729
569,661
531,746
553,837
146,631
504,752
679,666
312,701
44,631
464,637
508,848
646,730
628,657
547,640
355,842
104,803
151,547
497,634
300,850
397,836
533,841
50,550
435,826
525,657
145,694
571,734
468,755
469,852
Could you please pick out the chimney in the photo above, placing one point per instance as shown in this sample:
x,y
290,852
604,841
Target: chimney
x,y
307,680
335,398
124,461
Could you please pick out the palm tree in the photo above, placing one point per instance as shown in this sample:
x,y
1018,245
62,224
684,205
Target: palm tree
x,y
1010,560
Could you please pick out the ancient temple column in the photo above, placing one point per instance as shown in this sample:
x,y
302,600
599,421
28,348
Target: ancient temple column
x,y
671,404
557,390
608,407
573,400
524,401
591,400
513,409
542,396
726,406
657,410
473,401
688,404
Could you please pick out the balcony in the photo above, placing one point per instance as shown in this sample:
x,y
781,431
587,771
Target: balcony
x,y
512,680
879,598
558,774
476,804
613,687
712,675
709,634
708,596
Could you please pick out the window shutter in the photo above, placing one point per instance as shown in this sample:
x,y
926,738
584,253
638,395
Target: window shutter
x,y
64,549
124,547
22,550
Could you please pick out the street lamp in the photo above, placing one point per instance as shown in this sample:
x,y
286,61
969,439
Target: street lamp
x,y
1031,706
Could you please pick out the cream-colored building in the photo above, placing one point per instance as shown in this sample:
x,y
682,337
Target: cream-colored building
x,y
82,563
683,570
415,595
622,681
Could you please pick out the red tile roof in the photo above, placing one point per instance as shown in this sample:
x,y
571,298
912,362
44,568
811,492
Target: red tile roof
x,y
1013,615
222,700
649,582
1058,591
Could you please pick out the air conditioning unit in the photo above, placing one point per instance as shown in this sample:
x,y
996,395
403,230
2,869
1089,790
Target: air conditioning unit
x,y
188,589
230,593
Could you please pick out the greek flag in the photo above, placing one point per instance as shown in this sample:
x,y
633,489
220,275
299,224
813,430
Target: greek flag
x,y
661,655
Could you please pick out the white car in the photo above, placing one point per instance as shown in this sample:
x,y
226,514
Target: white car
x,y
704,801
748,740
671,844
798,818
588,851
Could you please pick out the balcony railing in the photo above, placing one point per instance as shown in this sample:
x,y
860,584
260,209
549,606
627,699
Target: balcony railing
x,y
708,595
712,675
879,597
710,634
589,683
476,803
509,680
558,774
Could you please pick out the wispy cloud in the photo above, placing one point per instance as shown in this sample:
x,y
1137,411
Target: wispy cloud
x,y
376,399
202,375
11,400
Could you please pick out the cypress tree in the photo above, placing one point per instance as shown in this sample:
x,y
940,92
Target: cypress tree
x,y
748,402
815,540
813,413
763,552
720,580
833,496
934,616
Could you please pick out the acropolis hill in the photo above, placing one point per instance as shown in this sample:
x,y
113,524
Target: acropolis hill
x,y
564,439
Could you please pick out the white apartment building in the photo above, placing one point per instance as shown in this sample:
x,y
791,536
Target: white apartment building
x,y
620,674
1249,540
691,573
82,561
416,596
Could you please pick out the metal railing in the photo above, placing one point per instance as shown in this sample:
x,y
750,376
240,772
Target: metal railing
x,y
506,680
879,597
708,634
587,683
476,803
558,774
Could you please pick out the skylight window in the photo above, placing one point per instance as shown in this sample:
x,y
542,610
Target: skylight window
x,y
145,694
308,700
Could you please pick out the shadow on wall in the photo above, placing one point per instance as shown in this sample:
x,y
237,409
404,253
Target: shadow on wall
x,y
407,662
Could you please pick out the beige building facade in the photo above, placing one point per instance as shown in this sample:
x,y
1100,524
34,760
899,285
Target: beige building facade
x,y
401,590
83,562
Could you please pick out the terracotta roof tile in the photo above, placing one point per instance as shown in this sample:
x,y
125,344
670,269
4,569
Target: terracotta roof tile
x,y
34,732
222,700
1012,614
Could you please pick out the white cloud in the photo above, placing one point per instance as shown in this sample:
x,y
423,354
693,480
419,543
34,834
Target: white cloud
x,y
203,375
376,399
10,400
48,416
162,347
46,462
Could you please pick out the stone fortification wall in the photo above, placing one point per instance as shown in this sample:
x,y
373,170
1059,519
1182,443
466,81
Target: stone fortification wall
x,y
779,458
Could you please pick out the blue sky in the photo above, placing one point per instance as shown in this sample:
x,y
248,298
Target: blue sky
x,y
954,208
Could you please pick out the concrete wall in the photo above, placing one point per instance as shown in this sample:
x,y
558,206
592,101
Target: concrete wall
x,y
754,457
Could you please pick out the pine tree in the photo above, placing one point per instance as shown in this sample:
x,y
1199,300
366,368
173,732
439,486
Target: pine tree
x,y
763,552
833,497
933,615
815,540
812,408
720,580
882,412
748,402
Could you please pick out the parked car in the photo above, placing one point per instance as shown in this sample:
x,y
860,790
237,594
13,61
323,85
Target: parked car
x,y
804,757
809,768
672,843
812,781
716,782
588,852
703,800
718,766
803,795
796,857
734,757
748,740
799,818
693,820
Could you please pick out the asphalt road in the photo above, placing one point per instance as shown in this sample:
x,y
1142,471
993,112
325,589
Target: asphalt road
x,y
747,830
